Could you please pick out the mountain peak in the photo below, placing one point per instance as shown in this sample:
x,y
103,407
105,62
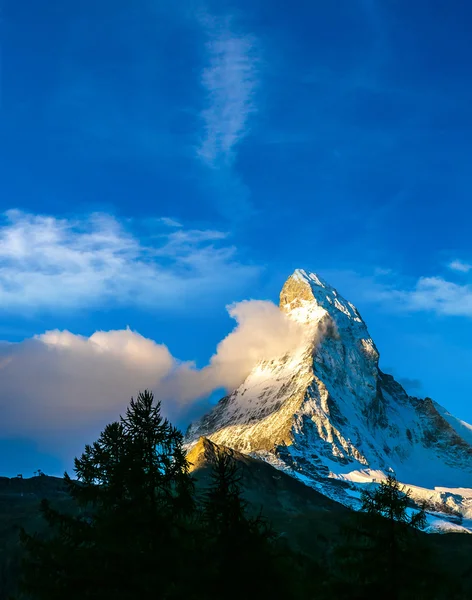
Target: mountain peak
x,y
311,278
306,298
326,413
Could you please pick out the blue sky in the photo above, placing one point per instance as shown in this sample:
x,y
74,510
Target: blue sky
x,y
160,162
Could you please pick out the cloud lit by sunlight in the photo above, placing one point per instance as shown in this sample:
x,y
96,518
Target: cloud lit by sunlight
x,y
58,386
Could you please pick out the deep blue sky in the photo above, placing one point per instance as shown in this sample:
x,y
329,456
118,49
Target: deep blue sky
x,y
223,145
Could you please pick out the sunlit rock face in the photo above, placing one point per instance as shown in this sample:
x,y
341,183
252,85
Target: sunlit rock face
x,y
326,413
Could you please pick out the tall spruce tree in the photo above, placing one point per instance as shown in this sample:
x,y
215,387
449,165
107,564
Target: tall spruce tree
x,y
134,527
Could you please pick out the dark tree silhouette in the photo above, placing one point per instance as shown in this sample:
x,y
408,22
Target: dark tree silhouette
x,y
135,527
247,559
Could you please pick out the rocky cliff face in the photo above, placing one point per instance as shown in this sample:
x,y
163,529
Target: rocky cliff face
x,y
328,415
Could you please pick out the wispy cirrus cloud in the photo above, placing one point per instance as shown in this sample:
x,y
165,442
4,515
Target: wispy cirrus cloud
x,y
438,295
170,222
229,79
57,263
435,294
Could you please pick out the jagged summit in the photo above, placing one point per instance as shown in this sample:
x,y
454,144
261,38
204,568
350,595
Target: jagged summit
x,y
306,297
327,414
304,290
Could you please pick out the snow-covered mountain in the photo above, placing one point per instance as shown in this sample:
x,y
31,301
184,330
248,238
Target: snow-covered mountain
x,y
328,415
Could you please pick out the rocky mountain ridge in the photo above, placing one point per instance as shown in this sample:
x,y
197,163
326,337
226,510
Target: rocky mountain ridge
x,y
325,412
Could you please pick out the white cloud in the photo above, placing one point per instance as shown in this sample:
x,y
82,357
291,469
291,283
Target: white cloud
x,y
440,296
52,263
263,332
459,265
59,388
170,222
230,81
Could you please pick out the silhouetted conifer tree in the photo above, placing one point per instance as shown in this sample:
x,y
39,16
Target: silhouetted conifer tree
x,y
135,533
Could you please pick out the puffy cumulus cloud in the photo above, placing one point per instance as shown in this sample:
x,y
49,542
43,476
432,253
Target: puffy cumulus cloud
x,y
59,388
59,382
262,332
